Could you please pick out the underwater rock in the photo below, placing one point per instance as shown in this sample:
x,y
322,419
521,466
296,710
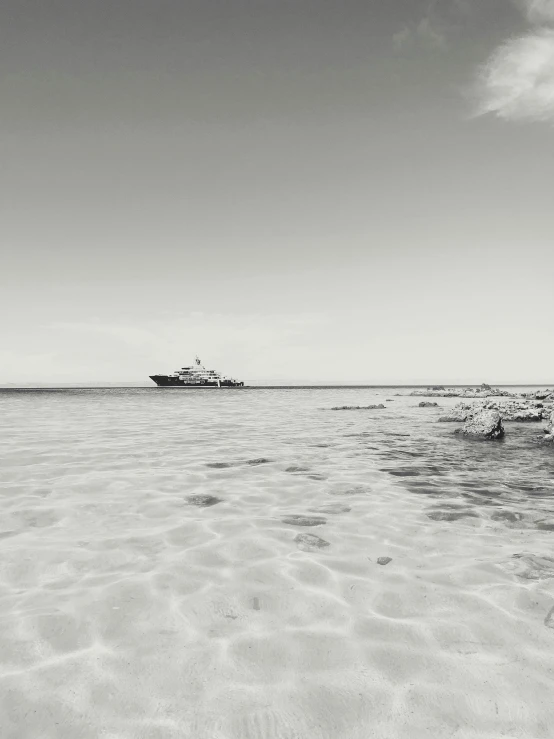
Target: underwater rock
x,y
203,501
508,516
453,515
310,542
425,404
545,524
534,567
296,520
403,472
384,560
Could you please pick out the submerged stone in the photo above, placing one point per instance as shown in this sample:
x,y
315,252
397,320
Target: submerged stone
x,y
534,567
296,520
203,501
509,516
425,404
310,542
545,525
384,560
261,460
403,472
451,515
296,468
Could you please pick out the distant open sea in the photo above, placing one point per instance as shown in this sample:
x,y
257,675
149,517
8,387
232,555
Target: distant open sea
x,y
204,564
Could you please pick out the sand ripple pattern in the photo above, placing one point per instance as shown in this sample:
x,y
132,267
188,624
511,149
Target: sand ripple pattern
x,y
248,565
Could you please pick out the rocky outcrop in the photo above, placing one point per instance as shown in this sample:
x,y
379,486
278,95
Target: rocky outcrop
x,y
483,424
548,437
358,407
510,410
431,393
517,410
458,413
547,395
484,391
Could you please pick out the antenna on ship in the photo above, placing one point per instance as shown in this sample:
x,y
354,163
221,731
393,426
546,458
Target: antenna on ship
x,y
197,360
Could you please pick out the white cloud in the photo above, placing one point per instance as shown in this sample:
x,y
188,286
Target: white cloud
x,y
538,11
517,82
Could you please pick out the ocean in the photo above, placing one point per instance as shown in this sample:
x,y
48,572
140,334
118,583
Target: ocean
x,y
251,564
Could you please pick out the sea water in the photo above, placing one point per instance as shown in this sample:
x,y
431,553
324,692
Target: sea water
x,y
249,563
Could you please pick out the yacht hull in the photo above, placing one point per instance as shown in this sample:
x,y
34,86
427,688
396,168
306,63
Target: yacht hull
x,y
168,381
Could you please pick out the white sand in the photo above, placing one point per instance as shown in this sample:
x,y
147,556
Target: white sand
x,y
128,614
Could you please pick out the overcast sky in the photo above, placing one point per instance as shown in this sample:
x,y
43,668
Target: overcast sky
x,y
296,190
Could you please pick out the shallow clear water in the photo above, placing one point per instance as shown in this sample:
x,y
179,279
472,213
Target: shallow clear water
x,y
178,563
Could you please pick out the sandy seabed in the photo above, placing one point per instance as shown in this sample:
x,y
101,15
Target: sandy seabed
x,y
195,574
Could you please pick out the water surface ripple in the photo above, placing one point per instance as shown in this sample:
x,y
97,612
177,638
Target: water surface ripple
x,y
236,564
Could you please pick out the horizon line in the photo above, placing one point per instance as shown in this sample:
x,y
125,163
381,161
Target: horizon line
x,y
130,385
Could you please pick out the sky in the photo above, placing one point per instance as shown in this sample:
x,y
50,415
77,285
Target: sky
x,y
298,191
